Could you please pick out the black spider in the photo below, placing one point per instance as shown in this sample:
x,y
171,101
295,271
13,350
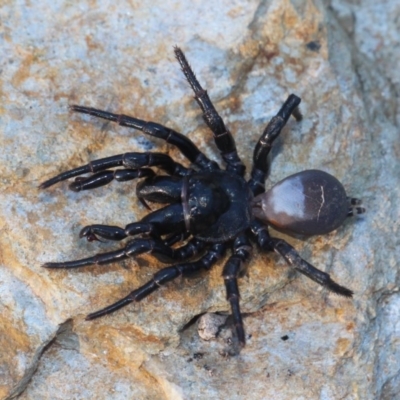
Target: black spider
x,y
209,207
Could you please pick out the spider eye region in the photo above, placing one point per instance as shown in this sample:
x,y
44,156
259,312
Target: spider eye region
x,y
207,201
219,204
311,202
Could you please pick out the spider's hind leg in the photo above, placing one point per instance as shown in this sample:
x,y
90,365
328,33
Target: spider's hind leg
x,y
264,144
293,259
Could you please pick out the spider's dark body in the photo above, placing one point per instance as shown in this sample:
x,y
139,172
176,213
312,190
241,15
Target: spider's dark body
x,y
219,206
210,208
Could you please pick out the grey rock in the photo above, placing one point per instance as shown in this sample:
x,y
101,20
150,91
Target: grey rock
x,y
340,57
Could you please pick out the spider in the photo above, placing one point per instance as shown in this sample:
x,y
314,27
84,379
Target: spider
x,y
209,209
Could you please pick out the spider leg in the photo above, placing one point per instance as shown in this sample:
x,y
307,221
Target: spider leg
x,y
166,220
232,270
160,189
105,177
163,276
264,144
294,260
173,238
130,161
184,144
223,138
156,247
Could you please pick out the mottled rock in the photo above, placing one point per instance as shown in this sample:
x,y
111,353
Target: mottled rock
x,y
340,57
210,324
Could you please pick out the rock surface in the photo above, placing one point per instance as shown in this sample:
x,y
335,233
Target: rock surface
x,y
340,57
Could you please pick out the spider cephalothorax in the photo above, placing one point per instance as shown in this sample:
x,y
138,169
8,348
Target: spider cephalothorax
x,y
211,209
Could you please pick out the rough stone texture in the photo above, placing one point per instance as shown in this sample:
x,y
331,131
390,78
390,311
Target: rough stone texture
x,y
303,343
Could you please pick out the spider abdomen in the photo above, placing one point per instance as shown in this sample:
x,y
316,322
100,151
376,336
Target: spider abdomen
x,y
311,202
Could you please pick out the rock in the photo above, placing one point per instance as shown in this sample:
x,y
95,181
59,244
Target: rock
x,y
302,342
210,324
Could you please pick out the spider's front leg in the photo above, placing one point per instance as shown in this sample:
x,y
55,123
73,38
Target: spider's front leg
x,y
293,259
159,189
157,247
133,163
184,144
164,221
